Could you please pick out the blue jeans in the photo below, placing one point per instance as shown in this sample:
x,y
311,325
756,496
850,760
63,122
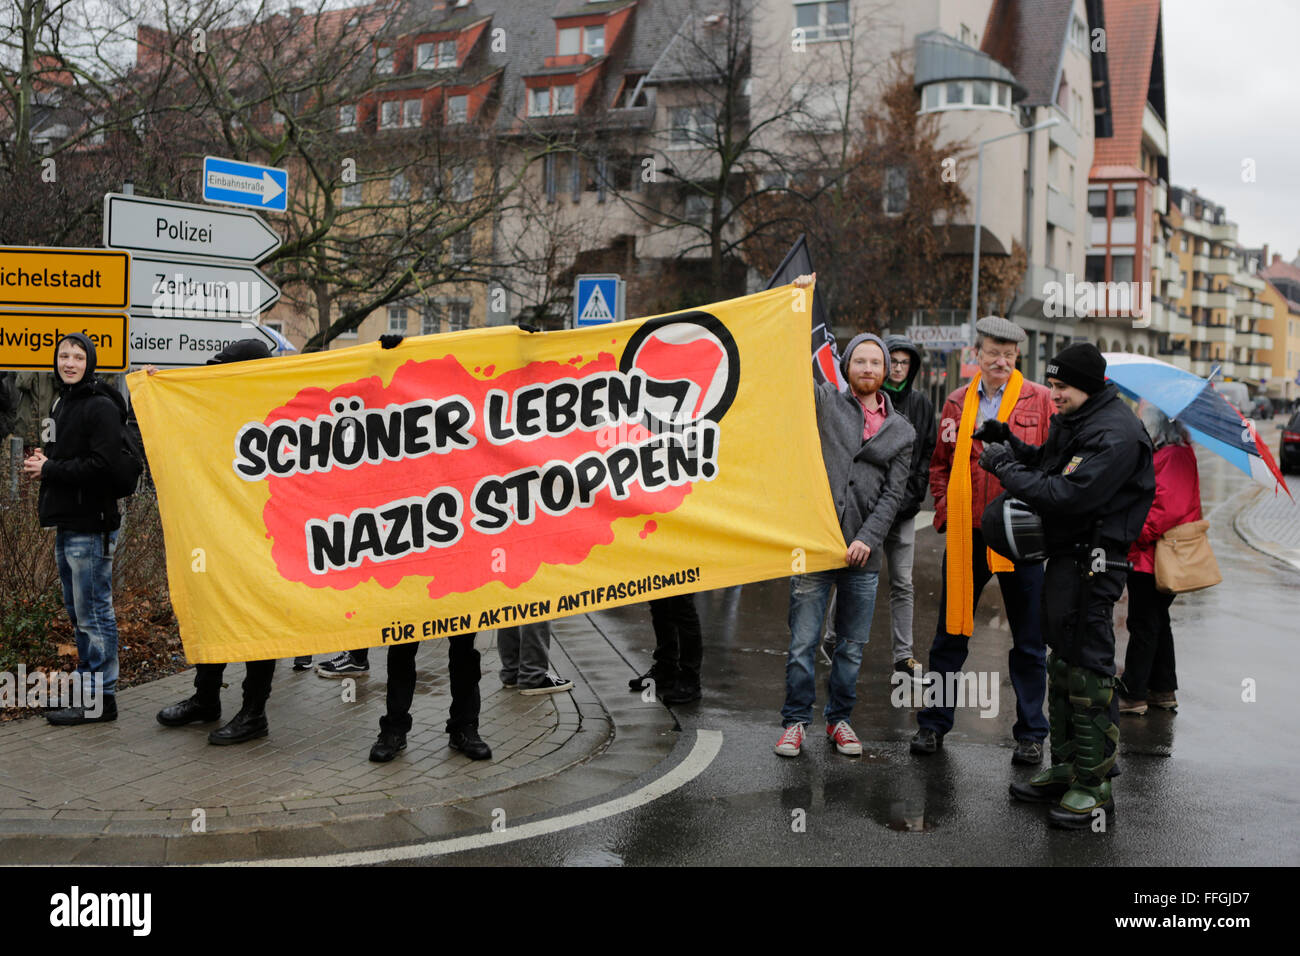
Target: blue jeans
x,y
809,594
86,573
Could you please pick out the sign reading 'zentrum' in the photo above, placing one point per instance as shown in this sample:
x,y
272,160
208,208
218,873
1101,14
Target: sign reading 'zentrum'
x,y
164,226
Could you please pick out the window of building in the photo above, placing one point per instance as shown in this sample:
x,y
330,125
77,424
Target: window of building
x,y
698,208
568,41
397,319
430,321
457,108
1094,269
966,35
822,19
693,124
457,315
277,118
1079,35
384,59
1121,269
1004,96
550,101
462,183
539,101
399,187
954,94
412,111
390,114
426,56
895,198
930,97
446,54
461,246
562,99
1125,203
593,40
548,176
631,94
351,194
347,118
981,93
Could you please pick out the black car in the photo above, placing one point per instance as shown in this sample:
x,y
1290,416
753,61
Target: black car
x,y
1288,449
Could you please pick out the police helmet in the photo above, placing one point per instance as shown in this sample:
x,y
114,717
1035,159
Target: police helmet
x,y
1013,530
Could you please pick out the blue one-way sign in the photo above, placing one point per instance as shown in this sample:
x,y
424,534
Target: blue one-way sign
x,y
244,184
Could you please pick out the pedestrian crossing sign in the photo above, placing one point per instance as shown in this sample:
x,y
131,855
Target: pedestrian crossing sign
x,y
597,299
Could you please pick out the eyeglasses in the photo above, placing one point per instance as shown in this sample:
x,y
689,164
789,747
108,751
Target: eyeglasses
x,y
900,363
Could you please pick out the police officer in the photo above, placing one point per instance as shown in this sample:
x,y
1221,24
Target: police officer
x,y
1092,482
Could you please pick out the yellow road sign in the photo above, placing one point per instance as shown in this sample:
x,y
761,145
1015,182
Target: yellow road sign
x,y
56,278
27,339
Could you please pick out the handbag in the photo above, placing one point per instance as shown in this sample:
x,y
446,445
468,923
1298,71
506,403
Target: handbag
x,y
1184,559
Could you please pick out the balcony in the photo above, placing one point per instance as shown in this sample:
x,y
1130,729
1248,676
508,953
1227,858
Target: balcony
x,y
1174,290
1220,265
1181,360
1219,333
1060,209
1220,300
1201,263
1255,340
1222,231
1254,371
1248,281
1252,309
1197,297
1201,367
1172,271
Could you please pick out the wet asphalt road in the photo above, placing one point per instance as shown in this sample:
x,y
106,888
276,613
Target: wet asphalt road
x,y
1214,784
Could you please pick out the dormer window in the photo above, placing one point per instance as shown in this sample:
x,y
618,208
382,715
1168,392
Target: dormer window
x,y
384,59
550,101
457,108
570,41
447,54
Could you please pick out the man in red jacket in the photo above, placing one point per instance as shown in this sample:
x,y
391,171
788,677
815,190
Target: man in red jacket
x,y
962,490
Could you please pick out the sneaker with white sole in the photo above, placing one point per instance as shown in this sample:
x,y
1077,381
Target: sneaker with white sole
x,y
791,741
552,685
344,665
844,739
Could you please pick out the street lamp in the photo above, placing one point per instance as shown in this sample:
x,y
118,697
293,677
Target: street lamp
x,y
979,182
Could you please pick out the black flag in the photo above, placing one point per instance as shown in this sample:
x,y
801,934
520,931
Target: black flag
x,y
825,354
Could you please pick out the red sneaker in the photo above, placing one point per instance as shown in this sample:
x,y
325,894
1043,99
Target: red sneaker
x,y
791,741
844,739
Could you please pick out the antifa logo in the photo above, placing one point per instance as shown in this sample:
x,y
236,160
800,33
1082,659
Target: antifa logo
x,y
691,365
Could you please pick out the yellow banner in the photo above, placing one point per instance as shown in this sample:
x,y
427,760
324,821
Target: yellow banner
x,y
480,479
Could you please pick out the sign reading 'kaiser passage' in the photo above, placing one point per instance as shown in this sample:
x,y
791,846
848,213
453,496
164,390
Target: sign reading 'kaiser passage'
x,y
492,477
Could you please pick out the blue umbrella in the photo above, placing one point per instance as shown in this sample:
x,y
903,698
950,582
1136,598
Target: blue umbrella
x,y
1209,418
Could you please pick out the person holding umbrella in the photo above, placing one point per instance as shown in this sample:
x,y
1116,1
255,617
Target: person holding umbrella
x,y
1149,676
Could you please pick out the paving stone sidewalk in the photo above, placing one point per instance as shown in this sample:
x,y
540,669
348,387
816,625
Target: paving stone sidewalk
x,y
128,791
1272,524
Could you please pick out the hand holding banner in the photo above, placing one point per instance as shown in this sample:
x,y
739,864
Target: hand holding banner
x,y
484,478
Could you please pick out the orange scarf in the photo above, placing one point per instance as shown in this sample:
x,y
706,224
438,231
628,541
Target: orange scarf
x,y
960,610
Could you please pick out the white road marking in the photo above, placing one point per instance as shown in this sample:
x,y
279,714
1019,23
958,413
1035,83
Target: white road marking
x,y
706,747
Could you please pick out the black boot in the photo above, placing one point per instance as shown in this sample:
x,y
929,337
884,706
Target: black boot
x,y
67,716
683,690
388,746
190,711
468,742
248,724
663,675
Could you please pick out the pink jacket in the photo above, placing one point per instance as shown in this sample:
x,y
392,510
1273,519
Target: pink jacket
x,y
1177,501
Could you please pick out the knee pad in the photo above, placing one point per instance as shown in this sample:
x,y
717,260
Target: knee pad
x,y
1090,689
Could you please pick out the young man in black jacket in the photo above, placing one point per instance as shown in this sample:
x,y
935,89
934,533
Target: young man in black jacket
x,y
76,498
1092,482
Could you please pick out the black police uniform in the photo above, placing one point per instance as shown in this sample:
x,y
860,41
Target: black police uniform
x,y
1092,482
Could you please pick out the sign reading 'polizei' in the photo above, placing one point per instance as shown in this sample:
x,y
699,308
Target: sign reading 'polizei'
x,y
163,226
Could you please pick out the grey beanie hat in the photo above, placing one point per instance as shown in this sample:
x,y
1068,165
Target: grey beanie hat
x,y
854,343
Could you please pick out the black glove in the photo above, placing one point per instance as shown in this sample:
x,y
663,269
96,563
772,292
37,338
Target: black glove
x,y
993,431
995,456
390,341
528,328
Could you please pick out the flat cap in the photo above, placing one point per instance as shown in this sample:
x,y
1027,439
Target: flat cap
x,y
999,328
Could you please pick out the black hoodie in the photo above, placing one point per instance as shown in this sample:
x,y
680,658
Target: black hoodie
x,y
919,410
76,482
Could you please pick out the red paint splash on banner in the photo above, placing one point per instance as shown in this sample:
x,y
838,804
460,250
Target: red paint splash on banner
x,y
512,556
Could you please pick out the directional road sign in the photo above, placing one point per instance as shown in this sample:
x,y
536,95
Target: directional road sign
x,y
163,226
198,289
55,277
183,343
597,299
244,184
27,339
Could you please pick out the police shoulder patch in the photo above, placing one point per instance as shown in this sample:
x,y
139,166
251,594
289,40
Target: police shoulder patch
x,y
1075,462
